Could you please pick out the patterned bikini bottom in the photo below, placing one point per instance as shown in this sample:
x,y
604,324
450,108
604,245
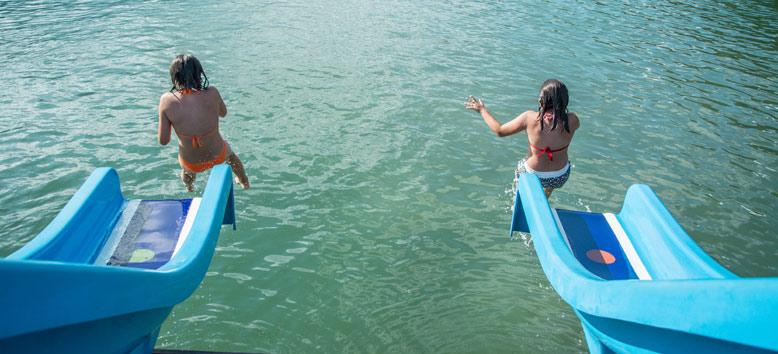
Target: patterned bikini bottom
x,y
552,179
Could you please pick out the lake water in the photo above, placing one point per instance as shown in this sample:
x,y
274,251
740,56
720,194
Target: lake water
x,y
378,214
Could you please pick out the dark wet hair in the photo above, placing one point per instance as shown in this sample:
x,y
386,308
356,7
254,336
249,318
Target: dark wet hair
x,y
187,73
553,98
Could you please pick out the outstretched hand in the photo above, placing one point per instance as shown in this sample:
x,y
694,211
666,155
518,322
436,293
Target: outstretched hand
x,y
472,103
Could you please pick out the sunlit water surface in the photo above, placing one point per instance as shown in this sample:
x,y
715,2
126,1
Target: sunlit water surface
x,y
378,214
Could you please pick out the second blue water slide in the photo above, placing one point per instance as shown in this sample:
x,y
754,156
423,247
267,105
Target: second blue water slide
x,y
103,276
639,283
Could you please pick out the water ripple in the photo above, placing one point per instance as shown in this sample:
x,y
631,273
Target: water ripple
x,y
377,215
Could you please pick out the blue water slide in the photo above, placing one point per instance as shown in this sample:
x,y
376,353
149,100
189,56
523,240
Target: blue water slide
x,y
106,272
638,282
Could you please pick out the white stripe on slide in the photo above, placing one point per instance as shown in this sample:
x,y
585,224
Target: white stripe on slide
x,y
118,232
190,215
626,246
561,229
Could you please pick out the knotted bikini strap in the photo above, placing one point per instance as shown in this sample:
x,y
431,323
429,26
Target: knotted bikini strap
x,y
548,151
197,139
197,142
189,91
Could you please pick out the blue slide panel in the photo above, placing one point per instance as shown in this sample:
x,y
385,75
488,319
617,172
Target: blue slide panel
x,y
160,237
590,232
61,303
693,305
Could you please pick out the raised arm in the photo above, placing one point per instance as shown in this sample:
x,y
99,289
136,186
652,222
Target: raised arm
x,y
518,124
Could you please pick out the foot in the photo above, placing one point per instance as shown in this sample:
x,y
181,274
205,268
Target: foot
x,y
244,184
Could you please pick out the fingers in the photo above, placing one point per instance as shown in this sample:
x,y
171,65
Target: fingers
x,y
473,103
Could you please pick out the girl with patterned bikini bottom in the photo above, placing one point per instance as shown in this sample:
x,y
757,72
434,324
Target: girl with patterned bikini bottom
x,y
193,107
549,132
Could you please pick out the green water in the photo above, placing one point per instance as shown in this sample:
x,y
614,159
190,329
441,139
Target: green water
x,y
378,214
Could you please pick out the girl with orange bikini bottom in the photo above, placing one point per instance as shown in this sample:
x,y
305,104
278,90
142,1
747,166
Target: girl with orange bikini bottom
x,y
198,167
193,108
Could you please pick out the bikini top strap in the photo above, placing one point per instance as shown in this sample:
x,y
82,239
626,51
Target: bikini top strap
x,y
189,91
196,139
548,151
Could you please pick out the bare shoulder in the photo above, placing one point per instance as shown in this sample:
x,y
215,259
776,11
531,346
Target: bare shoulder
x,y
573,120
528,116
166,98
212,90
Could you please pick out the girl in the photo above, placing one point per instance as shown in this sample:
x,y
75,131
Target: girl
x,y
549,132
193,109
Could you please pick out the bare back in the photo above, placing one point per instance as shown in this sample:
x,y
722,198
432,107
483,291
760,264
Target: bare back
x,y
195,118
555,140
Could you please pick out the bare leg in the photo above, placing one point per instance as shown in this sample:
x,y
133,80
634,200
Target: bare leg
x,y
188,178
548,192
237,168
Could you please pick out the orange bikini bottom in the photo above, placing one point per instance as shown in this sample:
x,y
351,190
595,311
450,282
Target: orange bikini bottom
x,y
198,167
